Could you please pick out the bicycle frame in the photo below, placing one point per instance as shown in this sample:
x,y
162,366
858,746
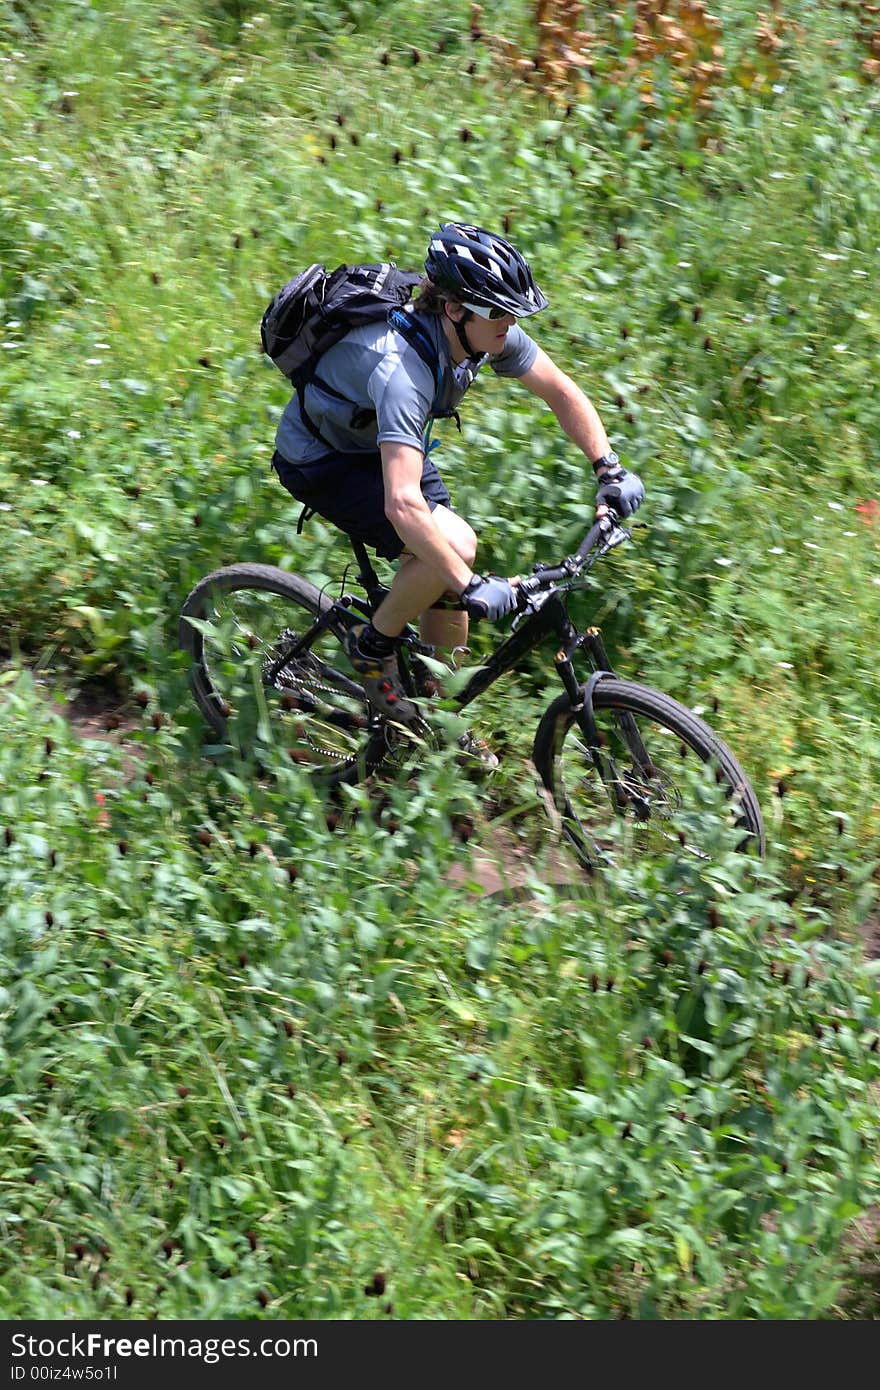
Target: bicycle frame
x,y
550,619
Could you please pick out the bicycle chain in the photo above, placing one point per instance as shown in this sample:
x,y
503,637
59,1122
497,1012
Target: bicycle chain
x,y
290,684
288,681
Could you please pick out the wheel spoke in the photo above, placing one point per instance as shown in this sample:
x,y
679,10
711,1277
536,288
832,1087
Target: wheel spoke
x,y
255,683
654,765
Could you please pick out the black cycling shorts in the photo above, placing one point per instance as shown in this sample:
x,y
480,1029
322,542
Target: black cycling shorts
x,y
349,491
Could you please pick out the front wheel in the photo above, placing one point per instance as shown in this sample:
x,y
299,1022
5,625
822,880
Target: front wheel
x,y
265,670
646,779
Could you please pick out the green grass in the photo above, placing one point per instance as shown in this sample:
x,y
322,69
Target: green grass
x,y
249,1063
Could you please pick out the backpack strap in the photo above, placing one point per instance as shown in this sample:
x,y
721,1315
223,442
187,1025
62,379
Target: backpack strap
x,y
420,339
417,336
306,417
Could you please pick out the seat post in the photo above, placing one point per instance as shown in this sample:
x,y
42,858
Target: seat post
x,y
367,576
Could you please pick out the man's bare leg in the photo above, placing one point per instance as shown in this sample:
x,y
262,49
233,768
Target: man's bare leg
x,y
417,587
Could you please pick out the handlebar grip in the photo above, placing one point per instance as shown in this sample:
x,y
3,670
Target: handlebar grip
x,y
590,539
547,576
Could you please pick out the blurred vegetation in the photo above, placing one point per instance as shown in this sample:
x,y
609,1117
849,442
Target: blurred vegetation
x,y
255,1068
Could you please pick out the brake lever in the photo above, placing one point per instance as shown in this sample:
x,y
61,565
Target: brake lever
x,y
617,536
525,590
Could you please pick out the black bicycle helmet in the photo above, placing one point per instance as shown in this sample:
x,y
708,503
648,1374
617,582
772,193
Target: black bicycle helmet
x,y
477,267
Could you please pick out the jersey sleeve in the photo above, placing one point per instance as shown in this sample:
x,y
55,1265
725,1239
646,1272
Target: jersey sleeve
x,y
402,390
518,355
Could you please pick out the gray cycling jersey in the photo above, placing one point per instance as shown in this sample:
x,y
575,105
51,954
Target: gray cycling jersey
x,y
388,391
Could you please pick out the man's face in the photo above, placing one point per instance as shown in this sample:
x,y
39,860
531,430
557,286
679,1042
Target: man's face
x,y
484,335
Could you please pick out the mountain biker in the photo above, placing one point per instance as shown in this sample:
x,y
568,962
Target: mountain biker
x,y
357,452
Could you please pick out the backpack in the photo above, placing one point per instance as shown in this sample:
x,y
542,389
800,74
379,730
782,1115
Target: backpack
x,y
316,308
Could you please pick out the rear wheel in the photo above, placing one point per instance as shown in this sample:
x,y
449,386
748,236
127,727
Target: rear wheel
x,y
654,770
256,681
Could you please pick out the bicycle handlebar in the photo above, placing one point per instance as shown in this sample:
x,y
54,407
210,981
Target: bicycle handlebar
x,y
602,526
606,527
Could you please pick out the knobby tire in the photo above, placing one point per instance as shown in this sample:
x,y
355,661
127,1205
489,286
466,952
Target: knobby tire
x,y
316,694
578,781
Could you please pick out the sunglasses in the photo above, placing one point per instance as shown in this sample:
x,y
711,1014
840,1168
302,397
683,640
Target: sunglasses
x,y
483,313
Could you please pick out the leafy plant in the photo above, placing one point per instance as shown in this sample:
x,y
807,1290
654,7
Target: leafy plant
x,y
264,1056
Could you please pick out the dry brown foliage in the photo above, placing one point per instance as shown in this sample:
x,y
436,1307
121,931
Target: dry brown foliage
x,y
678,43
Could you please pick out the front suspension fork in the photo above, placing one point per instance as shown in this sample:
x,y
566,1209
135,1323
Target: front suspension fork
x,y
581,697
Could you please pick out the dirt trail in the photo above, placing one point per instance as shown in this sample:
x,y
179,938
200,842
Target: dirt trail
x,y
95,716
500,866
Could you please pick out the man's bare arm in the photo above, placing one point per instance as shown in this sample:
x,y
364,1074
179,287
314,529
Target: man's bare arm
x,y
410,515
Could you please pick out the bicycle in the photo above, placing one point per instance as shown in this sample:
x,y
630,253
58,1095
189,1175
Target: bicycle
x,y
266,655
